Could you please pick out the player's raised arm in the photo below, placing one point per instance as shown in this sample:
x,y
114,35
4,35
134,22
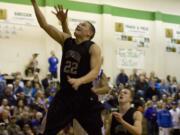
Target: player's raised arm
x,y
62,17
60,37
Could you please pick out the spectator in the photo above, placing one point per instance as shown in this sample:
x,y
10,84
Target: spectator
x,y
168,79
20,108
36,79
132,81
177,97
32,67
122,78
17,89
4,105
152,76
37,87
12,128
151,115
28,88
24,119
5,116
2,85
164,88
151,91
135,75
164,120
141,86
175,114
8,94
19,77
46,81
174,85
53,63
36,122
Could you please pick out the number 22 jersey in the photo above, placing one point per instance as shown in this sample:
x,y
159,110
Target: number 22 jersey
x,y
75,62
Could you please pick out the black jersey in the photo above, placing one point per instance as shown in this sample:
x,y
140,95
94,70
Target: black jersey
x,y
75,62
117,128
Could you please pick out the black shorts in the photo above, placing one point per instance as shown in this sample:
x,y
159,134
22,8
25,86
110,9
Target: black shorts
x,y
84,107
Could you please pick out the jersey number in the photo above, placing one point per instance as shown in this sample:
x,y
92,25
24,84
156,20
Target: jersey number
x,y
71,67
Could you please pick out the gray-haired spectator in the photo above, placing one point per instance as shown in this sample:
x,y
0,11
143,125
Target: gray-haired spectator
x,y
8,94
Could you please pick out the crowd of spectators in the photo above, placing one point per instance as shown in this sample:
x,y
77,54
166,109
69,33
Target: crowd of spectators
x,y
159,100
23,103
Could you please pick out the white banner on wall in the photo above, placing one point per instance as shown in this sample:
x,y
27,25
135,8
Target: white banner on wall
x,y
21,15
133,31
130,58
14,19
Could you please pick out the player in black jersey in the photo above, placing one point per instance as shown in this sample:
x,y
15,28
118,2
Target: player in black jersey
x,y
127,120
81,62
100,84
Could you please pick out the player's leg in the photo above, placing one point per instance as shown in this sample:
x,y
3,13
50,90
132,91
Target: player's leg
x,y
91,122
58,116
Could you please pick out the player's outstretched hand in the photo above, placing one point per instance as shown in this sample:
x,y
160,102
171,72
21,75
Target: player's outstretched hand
x,y
60,13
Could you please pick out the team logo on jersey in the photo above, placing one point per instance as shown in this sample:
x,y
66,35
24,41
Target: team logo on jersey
x,y
73,54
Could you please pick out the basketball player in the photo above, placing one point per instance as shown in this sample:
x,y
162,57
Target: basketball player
x,y
81,62
100,84
127,120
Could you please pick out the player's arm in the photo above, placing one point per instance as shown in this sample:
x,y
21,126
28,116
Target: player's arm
x,y
104,88
95,62
62,17
107,124
60,37
136,128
